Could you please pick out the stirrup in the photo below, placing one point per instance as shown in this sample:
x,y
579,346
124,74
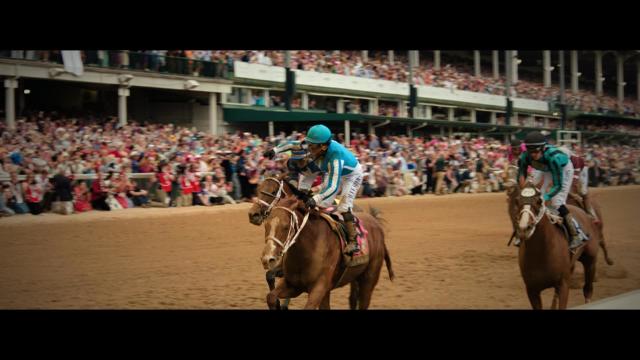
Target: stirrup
x,y
352,248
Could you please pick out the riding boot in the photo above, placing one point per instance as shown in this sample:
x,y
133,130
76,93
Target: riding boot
x,y
575,238
590,209
352,243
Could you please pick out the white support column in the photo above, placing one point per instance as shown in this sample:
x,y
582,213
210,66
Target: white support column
x,y
402,108
546,122
428,113
248,99
340,106
347,133
372,130
10,86
213,113
494,118
476,62
123,93
515,66
599,78
451,114
574,71
305,100
515,119
546,67
496,64
390,56
472,115
436,59
267,99
272,131
373,107
409,130
620,76
365,55
532,120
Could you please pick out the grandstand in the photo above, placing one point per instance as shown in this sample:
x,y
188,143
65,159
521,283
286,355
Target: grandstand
x,y
448,92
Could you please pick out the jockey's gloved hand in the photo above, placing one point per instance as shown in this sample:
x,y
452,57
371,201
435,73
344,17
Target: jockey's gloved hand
x,y
269,154
310,203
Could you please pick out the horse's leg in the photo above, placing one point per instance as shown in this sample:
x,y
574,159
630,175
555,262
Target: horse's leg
x,y
271,281
367,283
282,290
603,246
353,296
326,302
554,304
563,294
317,294
589,275
535,299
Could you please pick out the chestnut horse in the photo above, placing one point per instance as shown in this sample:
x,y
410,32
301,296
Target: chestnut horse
x,y
544,257
302,243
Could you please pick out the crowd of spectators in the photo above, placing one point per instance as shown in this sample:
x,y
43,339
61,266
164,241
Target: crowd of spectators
x,y
82,164
219,63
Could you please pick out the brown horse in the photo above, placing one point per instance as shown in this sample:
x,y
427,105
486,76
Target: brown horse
x,y
269,193
303,244
544,257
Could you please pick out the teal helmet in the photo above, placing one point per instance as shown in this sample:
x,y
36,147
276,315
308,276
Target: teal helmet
x,y
318,134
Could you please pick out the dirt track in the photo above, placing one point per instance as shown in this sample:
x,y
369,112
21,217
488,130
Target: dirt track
x,y
448,252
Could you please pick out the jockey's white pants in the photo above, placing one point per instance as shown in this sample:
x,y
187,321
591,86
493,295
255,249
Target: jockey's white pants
x,y
350,185
567,178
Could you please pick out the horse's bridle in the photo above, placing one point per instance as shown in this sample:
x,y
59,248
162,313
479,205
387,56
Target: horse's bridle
x,y
536,218
294,230
276,197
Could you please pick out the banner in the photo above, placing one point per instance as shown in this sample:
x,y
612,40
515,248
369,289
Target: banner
x,y
73,62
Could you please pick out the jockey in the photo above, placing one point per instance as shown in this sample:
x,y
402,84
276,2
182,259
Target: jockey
x,y
581,179
555,166
341,168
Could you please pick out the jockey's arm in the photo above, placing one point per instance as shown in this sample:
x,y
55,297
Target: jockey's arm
x,y
332,184
556,176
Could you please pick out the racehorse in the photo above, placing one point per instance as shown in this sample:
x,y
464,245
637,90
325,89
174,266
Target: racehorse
x,y
268,194
304,245
544,257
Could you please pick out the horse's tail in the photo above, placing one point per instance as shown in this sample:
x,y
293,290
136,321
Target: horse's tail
x,y
387,260
375,212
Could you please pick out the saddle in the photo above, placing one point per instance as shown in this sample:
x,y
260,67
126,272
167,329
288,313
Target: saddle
x,y
336,222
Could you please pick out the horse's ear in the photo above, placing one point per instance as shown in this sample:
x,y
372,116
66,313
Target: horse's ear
x,y
511,188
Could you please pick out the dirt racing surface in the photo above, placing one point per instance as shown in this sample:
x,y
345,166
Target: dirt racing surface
x,y
448,252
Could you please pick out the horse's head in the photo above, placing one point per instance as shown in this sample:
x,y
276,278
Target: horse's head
x,y
280,226
530,208
270,191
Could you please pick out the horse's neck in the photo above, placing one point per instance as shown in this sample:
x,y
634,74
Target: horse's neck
x,y
544,235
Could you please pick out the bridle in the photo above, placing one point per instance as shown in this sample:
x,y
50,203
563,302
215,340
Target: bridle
x,y
294,230
527,209
276,197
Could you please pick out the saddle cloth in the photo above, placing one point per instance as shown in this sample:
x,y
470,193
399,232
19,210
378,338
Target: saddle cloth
x,y
558,221
335,221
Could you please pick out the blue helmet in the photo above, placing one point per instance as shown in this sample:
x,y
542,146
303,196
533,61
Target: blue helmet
x,y
318,134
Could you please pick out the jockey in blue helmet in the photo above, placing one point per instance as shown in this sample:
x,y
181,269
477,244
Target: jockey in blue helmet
x,y
341,168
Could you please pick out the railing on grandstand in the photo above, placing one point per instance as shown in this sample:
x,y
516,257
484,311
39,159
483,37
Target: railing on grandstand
x,y
131,60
